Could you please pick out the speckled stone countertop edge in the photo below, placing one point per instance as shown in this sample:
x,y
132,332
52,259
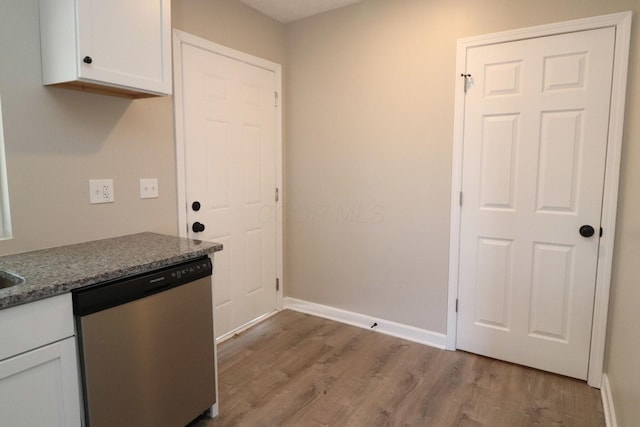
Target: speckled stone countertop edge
x,y
55,271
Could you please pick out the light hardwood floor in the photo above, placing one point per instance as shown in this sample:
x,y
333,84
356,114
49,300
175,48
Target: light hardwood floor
x,y
299,370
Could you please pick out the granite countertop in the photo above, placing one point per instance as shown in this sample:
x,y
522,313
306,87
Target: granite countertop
x,y
54,271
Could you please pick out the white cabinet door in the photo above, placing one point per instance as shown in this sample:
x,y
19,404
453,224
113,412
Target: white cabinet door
x,y
116,45
127,42
40,387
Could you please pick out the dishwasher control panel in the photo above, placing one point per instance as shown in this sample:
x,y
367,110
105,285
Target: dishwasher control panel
x,y
100,296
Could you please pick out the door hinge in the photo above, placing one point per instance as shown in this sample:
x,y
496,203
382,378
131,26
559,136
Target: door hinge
x,y
276,98
600,231
460,201
466,80
277,194
456,305
277,284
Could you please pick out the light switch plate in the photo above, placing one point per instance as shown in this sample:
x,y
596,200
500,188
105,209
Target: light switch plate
x,y
148,188
101,191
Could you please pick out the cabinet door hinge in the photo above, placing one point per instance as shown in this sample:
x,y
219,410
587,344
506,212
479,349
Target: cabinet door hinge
x,y
277,194
460,198
276,98
456,305
277,284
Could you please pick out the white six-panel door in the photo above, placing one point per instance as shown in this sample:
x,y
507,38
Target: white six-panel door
x,y
535,139
229,134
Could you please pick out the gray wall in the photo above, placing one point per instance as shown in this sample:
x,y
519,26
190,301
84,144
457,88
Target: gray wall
x,y
231,23
369,131
623,346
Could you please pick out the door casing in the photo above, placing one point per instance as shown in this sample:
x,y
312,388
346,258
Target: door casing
x,y
180,38
622,24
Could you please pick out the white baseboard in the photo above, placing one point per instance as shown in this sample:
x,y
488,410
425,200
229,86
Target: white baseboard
x,y
399,330
607,402
239,330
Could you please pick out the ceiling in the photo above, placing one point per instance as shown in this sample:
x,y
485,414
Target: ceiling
x,y
291,10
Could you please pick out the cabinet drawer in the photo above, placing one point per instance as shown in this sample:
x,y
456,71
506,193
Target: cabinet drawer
x,y
32,325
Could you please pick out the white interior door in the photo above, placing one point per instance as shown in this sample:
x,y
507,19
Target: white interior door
x,y
229,136
535,139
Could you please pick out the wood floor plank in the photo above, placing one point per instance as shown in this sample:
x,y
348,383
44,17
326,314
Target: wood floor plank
x,y
299,370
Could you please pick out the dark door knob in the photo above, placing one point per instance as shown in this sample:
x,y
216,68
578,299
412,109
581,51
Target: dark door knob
x,y
197,227
195,206
87,60
587,231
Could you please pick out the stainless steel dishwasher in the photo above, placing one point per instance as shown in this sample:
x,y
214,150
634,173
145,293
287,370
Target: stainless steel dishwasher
x,y
147,347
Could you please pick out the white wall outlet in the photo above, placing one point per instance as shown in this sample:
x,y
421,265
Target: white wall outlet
x,y
148,188
101,191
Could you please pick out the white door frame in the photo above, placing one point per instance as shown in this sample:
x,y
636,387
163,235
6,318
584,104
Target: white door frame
x,y
622,23
180,38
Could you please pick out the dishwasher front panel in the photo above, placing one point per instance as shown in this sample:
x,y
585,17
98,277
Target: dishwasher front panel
x,y
150,362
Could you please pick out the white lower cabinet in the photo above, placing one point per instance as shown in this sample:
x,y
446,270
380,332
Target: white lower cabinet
x,y
39,378
40,387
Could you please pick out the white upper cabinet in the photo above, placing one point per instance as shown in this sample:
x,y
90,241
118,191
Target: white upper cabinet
x,y
117,47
